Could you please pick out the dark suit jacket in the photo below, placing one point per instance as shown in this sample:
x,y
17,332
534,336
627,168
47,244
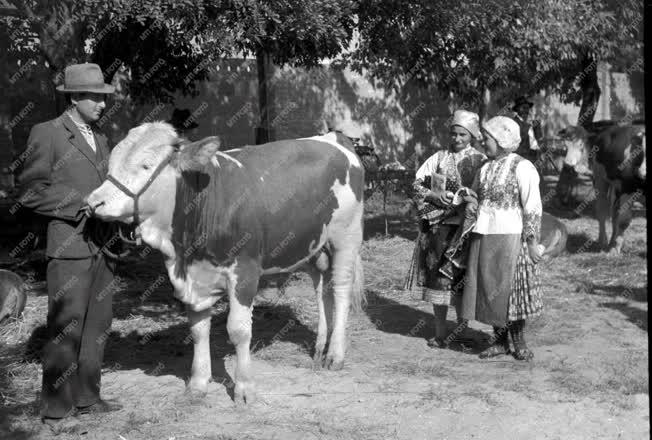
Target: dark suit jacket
x,y
59,170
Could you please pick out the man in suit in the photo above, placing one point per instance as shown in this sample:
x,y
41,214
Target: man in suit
x,y
66,159
529,145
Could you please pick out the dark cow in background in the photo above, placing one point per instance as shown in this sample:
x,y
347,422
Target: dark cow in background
x,y
223,219
616,156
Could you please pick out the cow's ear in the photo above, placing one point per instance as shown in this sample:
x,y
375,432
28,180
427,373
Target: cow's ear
x,y
195,155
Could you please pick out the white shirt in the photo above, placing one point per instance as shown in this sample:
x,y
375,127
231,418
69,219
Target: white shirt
x,y
534,145
87,132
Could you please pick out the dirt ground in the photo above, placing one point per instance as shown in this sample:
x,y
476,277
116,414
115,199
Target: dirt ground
x,y
588,380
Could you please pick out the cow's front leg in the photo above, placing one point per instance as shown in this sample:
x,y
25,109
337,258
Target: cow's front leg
x,y
242,290
200,326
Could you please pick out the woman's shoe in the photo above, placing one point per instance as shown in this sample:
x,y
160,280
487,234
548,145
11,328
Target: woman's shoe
x,y
493,351
436,342
523,354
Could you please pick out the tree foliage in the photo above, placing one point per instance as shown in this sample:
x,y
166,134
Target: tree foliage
x,y
294,32
156,42
167,45
522,45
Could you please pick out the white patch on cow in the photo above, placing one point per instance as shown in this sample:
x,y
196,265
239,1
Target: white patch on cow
x,y
330,138
261,179
200,327
232,159
203,285
642,169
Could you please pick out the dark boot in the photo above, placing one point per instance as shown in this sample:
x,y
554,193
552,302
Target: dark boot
x,y
499,344
459,333
439,340
517,330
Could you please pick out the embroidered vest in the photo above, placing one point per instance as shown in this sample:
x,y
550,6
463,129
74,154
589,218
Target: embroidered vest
x,y
460,173
498,185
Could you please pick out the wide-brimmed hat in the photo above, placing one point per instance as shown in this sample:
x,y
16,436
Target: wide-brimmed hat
x,y
85,77
505,131
468,120
520,101
182,119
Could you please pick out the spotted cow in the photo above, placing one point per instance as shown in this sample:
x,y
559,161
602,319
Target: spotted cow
x,y
223,219
616,157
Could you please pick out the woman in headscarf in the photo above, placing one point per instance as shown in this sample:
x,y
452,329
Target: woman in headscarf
x,y
502,285
440,249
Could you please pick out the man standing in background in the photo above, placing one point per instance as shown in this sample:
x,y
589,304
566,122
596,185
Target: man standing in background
x,y
529,146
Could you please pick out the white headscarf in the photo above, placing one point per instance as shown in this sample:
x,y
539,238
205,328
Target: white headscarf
x,y
505,131
468,120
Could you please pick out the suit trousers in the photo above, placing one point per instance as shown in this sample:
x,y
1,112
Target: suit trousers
x,y
80,296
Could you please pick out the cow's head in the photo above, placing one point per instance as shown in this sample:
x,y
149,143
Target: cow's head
x,y
575,140
145,165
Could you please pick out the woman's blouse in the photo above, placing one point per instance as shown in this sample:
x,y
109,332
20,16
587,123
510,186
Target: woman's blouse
x,y
459,168
509,198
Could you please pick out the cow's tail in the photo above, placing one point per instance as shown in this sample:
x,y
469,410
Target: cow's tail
x,y
358,297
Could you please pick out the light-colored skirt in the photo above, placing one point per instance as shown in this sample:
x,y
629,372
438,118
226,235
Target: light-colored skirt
x,y
501,283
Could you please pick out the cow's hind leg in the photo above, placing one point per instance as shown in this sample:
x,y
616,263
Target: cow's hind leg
x,y
602,202
321,279
347,288
621,219
200,327
241,294
343,261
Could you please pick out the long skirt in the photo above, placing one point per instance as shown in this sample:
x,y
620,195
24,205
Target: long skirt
x,y
437,287
501,284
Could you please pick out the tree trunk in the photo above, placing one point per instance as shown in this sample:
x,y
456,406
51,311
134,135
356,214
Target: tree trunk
x,y
590,90
265,132
483,102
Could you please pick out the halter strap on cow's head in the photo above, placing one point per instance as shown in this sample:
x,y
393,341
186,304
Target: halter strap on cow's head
x,y
140,192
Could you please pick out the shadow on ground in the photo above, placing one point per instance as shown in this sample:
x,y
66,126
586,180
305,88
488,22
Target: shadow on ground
x,y
391,316
634,315
620,291
581,243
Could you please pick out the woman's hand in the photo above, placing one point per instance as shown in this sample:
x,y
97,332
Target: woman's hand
x,y
440,198
535,251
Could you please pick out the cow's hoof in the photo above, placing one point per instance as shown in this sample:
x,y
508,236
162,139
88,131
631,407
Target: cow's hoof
x,y
195,393
197,388
244,393
318,359
333,365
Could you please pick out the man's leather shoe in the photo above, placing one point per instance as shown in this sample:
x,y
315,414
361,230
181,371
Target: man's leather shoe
x,y
64,424
101,406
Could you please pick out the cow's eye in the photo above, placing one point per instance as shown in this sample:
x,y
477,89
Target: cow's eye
x,y
146,166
